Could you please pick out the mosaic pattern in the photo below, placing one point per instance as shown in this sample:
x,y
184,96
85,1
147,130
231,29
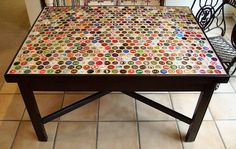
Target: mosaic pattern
x,y
116,40
101,2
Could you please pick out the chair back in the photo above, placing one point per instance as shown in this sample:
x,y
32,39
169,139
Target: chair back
x,y
208,11
101,2
233,37
210,14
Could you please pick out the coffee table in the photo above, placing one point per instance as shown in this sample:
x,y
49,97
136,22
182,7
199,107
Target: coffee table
x,y
116,48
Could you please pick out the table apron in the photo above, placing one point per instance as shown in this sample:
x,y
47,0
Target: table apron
x,y
116,85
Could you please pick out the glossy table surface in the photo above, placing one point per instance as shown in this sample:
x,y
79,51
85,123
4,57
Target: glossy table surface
x,y
116,40
116,48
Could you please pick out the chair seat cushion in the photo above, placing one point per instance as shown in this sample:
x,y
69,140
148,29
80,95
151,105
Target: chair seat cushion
x,y
223,48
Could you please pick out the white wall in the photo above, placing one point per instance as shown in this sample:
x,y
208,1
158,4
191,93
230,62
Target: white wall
x,y
178,2
33,9
228,9
234,14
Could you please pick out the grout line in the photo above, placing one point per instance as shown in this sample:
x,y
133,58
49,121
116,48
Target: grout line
x,y
16,134
138,129
225,119
54,141
63,100
232,86
9,93
48,93
176,121
98,106
232,92
58,123
199,92
202,120
217,129
124,121
106,121
224,92
20,121
10,120
77,121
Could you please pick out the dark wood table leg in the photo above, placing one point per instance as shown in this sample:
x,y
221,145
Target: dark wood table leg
x,y
32,108
162,2
199,112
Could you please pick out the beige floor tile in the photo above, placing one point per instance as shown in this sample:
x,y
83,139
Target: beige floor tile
x,y
85,113
107,2
225,88
229,22
151,92
186,103
228,34
228,133
233,81
159,135
222,106
117,135
234,75
153,2
207,138
145,112
80,92
214,33
217,32
8,131
26,137
76,135
9,88
127,3
48,92
191,92
11,106
47,103
117,107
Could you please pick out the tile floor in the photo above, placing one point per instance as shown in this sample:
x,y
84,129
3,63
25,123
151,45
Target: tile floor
x,y
116,121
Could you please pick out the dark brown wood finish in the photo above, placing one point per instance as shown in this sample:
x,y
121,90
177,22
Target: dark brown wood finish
x,y
118,82
199,112
162,2
32,108
124,83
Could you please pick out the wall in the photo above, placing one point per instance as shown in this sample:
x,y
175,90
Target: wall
x,y
234,14
228,9
178,2
33,9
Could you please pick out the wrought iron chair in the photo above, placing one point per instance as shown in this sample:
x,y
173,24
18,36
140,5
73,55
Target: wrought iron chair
x,y
100,2
225,50
210,16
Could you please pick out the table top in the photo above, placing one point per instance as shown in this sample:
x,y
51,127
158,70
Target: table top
x,y
116,40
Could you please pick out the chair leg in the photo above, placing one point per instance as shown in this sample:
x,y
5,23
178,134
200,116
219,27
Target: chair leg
x,y
231,64
217,86
233,71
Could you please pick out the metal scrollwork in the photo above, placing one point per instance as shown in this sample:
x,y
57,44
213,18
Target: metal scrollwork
x,y
205,16
210,11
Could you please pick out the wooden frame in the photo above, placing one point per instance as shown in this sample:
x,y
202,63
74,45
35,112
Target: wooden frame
x,y
126,83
